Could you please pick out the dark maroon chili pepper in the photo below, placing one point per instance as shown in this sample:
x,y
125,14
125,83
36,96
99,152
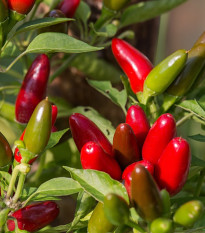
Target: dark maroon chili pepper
x,y
137,119
160,134
33,88
69,7
84,130
34,217
94,157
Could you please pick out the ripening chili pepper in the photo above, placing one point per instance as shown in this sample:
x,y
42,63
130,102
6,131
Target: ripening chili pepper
x,y
17,154
126,175
34,217
135,64
173,166
187,214
6,153
137,119
145,195
160,78
125,147
21,6
116,209
98,222
94,157
38,129
69,7
160,134
115,5
162,225
33,88
3,10
84,130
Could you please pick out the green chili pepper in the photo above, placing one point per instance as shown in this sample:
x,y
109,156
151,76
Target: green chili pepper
x,y
115,5
159,78
38,129
5,151
189,213
183,83
166,202
116,209
145,194
162,225
98,222
200,40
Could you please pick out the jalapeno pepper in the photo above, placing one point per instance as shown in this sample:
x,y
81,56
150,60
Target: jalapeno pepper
x,y
21,6
145,195
69,7
33,88
94,157
135,64
173,166
115,5
187,214
34,217
84,130
125,145
6,153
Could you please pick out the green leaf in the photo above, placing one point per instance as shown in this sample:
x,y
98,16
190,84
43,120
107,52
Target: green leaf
x,y
195,161
83,12
105,87
143,11
198,137
194,107
55,138
51,42
11,50
105,125
40,23
98,184
61,186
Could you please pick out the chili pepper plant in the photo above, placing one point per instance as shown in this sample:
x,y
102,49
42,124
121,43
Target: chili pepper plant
x,y
136,175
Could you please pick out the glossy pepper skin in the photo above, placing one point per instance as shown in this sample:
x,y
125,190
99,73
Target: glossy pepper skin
x,y
160,78
3,10
145,195
6,153
126,175
135,64
17,154
125,147
84,130
98,222
200,40
69,7
21,6
115,5
34,217
187,214
33,88
94,157
39,127
160,134
162,225
116,209
173,166
137,119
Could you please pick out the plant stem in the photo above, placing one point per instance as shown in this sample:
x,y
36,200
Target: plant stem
x,y
184,119
200,183
12,182
20,186
135,226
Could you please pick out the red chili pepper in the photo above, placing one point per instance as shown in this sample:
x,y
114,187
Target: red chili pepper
x,y
17,154
125,147
34,217
94,157
161,133
135,64
33,88
126,175
69,7
21,6
173,166
84,130
137,119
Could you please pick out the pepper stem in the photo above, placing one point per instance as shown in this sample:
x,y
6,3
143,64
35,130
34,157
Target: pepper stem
x,y
20,186
12,182
132,224
199,184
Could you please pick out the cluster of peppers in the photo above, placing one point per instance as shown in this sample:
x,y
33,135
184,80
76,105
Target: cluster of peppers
x,y
151,158
173,77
